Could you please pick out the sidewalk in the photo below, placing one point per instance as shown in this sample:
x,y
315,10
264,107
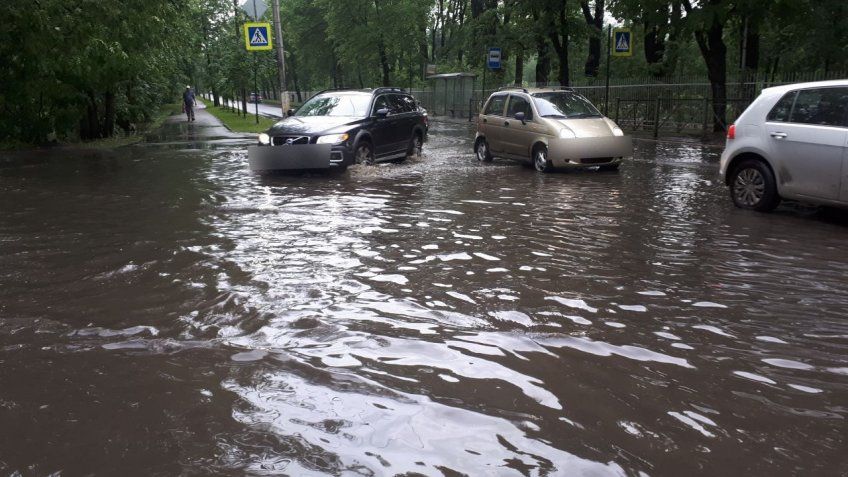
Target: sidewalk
x,y
206,128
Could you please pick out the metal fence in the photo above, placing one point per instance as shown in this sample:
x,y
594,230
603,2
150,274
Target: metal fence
x,y
681,104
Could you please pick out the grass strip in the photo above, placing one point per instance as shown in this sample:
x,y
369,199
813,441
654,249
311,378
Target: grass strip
x,y
238,123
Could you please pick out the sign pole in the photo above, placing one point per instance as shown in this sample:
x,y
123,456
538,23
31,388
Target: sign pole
x,y
255,86
255,89
485,67
281,59
609,52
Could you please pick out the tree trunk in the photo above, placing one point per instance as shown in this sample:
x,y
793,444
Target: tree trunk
x,y
108,114
750,46
543,61
244,102
712,47
384,61
89,128
381,49
558,34
519,66
654,47
334,67
293,74
596,25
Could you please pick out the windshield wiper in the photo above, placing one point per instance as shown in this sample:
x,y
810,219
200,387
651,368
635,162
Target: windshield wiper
x,y
585,115
554,116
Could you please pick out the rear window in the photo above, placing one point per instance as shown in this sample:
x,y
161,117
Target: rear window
x,y
823,106
496,105
403,103
780,111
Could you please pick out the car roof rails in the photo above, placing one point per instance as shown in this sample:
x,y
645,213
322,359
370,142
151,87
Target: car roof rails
x,y
337,89
508,88
388,89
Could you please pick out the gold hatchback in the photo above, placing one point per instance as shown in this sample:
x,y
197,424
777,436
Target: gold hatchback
x,y
550,128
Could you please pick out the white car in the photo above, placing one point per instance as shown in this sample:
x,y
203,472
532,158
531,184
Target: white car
x,y
792,143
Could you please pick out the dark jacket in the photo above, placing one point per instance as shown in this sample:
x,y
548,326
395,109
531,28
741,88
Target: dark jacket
x,y
188,97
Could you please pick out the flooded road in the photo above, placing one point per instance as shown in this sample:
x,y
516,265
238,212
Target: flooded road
x,y
163,311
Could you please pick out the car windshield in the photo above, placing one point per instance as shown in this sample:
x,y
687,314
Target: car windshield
x,y
564,105
335,104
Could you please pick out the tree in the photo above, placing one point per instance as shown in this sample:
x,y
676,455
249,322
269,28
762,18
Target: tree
x,y
595,22
707,18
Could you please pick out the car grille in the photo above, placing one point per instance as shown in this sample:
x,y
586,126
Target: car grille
x,y
295,140
595,160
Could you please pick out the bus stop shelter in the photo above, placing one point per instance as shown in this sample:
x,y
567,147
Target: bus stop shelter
x,y
452,94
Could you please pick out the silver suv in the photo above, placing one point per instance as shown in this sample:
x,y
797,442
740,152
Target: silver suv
x,y
791,142
549,128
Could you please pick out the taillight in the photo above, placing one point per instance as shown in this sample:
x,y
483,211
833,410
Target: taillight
x,y
731,132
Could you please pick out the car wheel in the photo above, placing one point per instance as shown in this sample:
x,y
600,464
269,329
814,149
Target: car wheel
x,y
415,145
481,150
609,167
540,159
364,153
752,186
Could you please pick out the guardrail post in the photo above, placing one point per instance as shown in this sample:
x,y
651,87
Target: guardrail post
x,y
657,119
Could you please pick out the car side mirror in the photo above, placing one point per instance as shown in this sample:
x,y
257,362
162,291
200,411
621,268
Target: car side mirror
x,y
382,112
290,112
520,117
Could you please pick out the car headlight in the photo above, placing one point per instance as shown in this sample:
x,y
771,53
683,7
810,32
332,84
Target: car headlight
x,y
264,139
616,131
332,139
567,134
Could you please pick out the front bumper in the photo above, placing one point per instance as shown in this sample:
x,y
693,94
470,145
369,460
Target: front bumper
x,y
590,151
297,157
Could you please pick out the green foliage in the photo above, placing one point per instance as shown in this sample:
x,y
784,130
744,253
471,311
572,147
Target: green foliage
x,y
87,68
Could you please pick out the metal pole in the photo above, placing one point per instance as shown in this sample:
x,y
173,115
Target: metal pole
x,y
609,53
255,68
281,58
255,87
485,67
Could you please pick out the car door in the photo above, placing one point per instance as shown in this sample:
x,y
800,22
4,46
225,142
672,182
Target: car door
x,y
493,118
518,135
809,146
383,134
404,120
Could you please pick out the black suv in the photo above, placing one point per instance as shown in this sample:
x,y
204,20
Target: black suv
x,y
337,128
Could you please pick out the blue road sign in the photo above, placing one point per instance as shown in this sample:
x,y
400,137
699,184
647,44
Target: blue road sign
x,y
257,36
622,44
494,59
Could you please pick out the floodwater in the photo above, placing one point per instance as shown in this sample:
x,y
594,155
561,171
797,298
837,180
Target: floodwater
x,y
163,311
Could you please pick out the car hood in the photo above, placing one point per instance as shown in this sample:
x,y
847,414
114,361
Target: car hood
x,y
312,124
588,127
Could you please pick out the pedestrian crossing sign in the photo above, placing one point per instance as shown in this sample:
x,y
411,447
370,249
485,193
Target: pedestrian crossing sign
x,y
257,36
622,44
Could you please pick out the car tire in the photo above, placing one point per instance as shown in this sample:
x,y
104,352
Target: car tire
x,y
364,153
752,186
481,150
609,168
416,144
540,159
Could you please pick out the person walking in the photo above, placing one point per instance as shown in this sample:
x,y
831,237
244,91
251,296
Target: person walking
x,y
189,102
